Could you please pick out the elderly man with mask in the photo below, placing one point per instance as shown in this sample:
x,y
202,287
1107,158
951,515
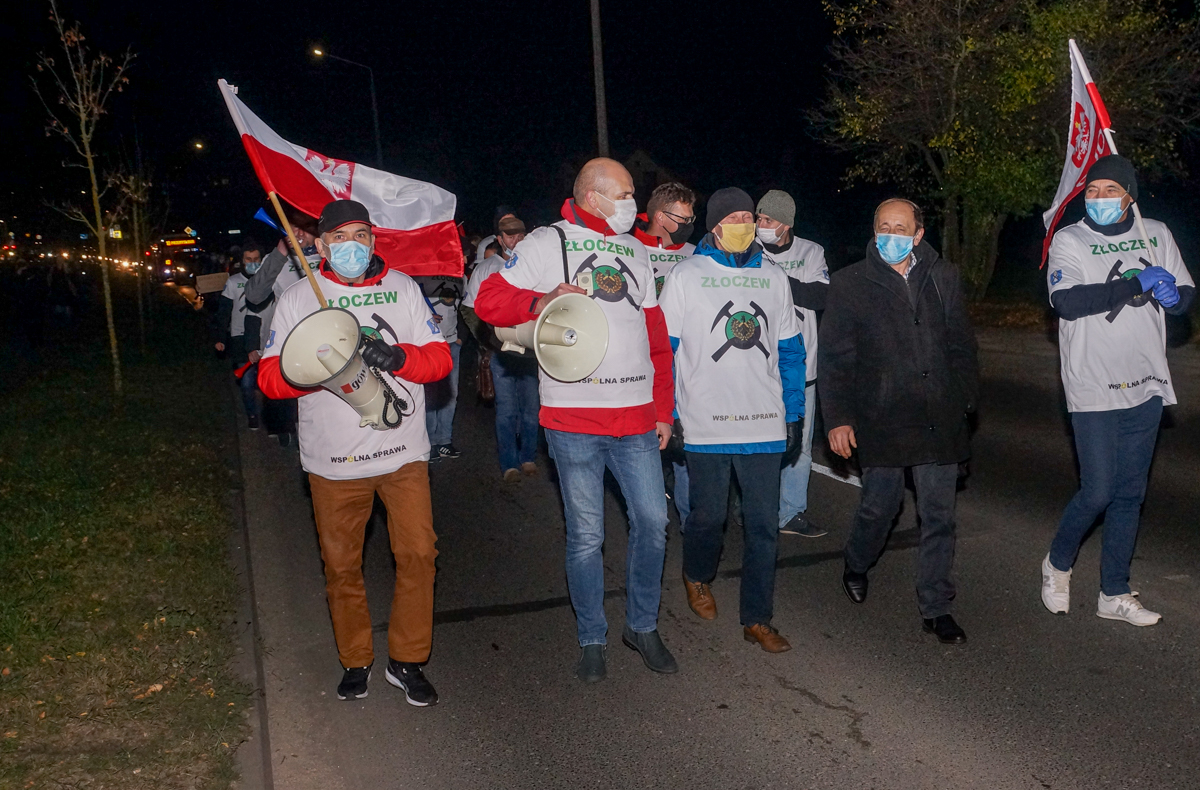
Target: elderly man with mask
x,y
804,263
619,417
348,465
739,384
1110,297
898,377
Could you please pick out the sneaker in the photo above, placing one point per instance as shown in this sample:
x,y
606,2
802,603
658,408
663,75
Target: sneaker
x,y
354,683
1056,588
446,451
529,469
409,677
512,475
801,526
1125,607
252,422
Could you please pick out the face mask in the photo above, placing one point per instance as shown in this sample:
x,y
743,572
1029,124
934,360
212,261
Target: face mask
x,y
680,234
349,258
624,213
1104,211
768,235
737,238
252,266
894,249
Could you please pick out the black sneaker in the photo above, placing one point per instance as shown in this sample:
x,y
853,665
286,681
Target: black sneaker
x,y
447,451
252,422
354,683
801,526
417,689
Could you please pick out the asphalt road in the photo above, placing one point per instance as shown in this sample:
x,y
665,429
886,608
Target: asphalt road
x,y
864,699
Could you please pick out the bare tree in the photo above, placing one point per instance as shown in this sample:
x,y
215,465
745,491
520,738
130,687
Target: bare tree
x,y
76,94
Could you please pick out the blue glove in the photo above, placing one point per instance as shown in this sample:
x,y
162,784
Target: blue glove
x,y
1152,276
1166,293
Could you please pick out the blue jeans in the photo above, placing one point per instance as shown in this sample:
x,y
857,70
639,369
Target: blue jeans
x,y
516,382
249,388
441,399
1115,449
635,463
758,476
793,480
682,505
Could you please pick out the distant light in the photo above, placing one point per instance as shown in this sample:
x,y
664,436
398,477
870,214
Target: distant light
x,y
199,145
166,271
65,255
233,232
318,52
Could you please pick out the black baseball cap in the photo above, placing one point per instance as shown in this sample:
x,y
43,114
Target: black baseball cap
x,y
342,212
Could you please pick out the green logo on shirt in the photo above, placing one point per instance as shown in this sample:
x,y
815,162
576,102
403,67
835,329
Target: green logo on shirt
x,y
742,329
736,281
1122,246
364,299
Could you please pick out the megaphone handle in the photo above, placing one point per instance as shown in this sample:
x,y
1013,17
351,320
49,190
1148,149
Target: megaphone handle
x,y
287,226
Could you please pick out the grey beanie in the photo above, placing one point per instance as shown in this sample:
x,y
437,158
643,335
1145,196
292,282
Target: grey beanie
x,y
779,206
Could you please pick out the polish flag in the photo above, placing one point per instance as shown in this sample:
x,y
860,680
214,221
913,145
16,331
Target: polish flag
x,y
1086,141
415,231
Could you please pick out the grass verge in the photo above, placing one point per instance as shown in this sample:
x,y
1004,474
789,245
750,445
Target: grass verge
x,y
117,603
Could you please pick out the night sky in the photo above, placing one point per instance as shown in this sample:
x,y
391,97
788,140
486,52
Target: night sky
x,y
493,101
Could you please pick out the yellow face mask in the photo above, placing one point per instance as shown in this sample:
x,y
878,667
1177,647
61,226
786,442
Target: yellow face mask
x,y
737,238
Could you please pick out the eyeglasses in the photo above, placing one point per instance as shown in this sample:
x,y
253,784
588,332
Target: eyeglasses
x,y
681,220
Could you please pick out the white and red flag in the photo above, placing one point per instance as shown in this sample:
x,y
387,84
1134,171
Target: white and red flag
x,y
415,230
1086,141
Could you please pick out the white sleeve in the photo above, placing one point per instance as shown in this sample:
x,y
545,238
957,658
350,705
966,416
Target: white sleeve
x,y
819,271
672,303
790,325
1064,268
650,298
230,291
421,327
528,266
282,322
1172,261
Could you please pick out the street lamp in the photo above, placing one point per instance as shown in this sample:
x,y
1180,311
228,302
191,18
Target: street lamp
x,y
320,53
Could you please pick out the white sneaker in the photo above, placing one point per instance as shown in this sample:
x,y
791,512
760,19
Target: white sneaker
x,y
1126,607
1056,588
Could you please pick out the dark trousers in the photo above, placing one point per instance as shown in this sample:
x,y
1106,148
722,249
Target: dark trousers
x,y
1115,449
882,495
703,537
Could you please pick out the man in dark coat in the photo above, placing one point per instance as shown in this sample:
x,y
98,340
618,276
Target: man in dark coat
x,y
898,377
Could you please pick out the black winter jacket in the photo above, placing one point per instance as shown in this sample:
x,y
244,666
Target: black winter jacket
x,y
898,361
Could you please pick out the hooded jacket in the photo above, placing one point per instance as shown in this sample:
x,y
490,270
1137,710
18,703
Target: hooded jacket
x,y
898,361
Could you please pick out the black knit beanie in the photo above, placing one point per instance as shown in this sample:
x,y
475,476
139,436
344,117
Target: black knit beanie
x,y
1115,168
724,202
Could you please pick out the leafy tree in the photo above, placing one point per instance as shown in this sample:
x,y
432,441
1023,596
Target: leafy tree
x,y
964,103
76,96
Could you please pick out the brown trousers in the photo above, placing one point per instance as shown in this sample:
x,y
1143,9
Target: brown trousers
x,y
342,509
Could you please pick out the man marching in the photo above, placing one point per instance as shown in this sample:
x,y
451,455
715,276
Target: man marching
x,y
739,363
1110,302
348,465
804,263
620,417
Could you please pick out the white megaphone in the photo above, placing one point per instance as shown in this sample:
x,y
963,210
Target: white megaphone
x,y
322,350
569,337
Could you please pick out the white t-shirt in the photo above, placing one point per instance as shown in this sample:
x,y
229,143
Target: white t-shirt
x,y
729,323
624,287
662,260
486,268
481,246
1116,360
235,291
444,294
331,443
804,261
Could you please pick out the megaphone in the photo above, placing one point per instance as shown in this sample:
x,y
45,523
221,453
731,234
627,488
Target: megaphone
x,y
569,337
322,350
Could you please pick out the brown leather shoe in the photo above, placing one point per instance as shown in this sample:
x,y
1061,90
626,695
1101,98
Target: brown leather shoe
x,y
701,600
767,637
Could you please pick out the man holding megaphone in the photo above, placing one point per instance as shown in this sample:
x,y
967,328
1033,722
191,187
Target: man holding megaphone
x,y
349,459
615,413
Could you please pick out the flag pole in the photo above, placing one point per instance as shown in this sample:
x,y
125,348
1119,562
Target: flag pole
x,y
287,226
1106,127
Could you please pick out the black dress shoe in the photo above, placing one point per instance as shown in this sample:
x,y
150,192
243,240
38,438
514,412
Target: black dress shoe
x,y
855,585
946,630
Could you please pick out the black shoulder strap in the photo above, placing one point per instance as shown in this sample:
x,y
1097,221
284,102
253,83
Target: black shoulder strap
x,y
562,239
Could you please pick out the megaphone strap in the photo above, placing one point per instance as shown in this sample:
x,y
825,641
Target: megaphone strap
x,y
398,406
562,245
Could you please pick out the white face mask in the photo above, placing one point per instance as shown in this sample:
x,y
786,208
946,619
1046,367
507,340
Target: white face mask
x,y
768,235
624,213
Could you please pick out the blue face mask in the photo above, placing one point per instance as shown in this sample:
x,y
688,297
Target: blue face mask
x,y
1104,211
251,267
893,248
349,258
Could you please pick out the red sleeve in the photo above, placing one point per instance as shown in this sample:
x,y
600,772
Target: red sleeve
x,y
272,382
662,359
425,364
500,303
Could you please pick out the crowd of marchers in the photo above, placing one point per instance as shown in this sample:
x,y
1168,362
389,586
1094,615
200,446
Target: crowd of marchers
x,y
710,376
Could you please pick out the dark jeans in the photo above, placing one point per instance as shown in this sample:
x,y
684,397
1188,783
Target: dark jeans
x,y
882,495
516,382
708,496
251,399
1115,449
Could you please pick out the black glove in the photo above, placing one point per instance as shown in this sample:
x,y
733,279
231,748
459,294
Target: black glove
x,y
378,354
795,443
674,451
